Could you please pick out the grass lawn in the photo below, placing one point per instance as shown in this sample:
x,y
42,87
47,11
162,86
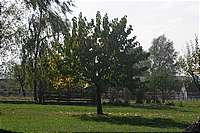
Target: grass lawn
x,y
65,118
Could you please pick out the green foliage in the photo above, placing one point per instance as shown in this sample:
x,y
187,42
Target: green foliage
x,y
105,50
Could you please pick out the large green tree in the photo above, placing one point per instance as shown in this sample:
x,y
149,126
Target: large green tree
x,y
107,52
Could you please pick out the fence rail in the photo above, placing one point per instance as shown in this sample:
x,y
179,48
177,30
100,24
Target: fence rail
x,y
75,96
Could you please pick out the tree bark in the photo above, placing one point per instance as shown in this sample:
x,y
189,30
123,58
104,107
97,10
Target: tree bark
x,y
41,92
37,41
23,91
163,95
154,98
98,100
35,90
22,84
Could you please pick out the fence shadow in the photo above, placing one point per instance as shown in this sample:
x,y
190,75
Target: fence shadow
x,y
135,121
50,103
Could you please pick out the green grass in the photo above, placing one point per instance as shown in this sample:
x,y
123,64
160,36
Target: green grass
x,y
64,118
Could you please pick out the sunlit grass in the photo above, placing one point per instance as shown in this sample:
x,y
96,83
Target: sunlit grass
x,y
64,118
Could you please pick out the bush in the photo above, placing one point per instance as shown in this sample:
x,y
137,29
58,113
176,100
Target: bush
x,y
181,104
170,103
194,127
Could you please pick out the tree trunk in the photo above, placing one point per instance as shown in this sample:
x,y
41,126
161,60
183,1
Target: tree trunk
x,y
154,98
98,101
22,88
35,90
163,95
140,94
41,91
23,91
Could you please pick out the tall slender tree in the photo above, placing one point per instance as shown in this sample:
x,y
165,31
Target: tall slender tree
x,y
163,67
192,62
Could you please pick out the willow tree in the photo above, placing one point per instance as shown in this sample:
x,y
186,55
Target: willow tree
x,y
47,25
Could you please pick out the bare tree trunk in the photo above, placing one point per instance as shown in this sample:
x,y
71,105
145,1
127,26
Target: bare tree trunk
x,y
23,91
163,96
35,90
98,100
41,91
155,95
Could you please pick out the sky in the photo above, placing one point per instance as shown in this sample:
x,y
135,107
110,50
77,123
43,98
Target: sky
x,y
178,20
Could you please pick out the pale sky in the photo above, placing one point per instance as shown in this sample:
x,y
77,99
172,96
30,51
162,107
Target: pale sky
x,y
178,20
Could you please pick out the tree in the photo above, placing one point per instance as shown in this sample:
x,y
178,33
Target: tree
x,y
163,65
44,23
104,52
134,72
11,31
191,64
45,27
19,75
193,61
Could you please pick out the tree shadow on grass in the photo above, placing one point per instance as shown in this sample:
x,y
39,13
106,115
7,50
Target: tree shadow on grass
x,y
154,107
8,131
135,121
161,107
18,102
